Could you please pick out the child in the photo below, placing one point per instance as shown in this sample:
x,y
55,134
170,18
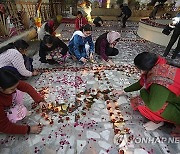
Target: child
x,y
52,49
80,20
13,56
12,108
105,46
81,45
98,22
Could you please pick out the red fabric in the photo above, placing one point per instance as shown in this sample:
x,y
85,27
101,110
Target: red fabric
x,y
79,22
138,104
6,102
68,20
161,60
51,23
135,102
163,74
153,116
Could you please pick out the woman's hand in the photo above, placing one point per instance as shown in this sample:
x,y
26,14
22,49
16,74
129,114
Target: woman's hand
x,y
91,57
36,129
111,63
111,45
84,60
118,92
35,72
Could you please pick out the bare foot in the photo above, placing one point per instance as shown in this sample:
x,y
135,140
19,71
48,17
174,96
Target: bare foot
x,y
152,126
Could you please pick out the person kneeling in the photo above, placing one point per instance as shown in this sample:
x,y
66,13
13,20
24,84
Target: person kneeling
x,y
159,91
105,46
52,50
12,108
81,46
13,57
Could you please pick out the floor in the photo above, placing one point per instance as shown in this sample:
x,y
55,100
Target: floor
x,y
98,126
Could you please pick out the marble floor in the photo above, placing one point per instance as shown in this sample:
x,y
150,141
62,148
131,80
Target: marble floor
x,y
83,116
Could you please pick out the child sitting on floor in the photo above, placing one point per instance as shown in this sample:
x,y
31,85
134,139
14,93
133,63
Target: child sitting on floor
x,y
12,108
13,57
81,45
52,50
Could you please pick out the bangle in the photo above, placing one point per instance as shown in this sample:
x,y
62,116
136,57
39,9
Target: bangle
x,y
29,129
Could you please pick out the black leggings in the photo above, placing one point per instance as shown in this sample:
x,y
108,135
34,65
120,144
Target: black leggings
x,y
174,37
111,51
125,18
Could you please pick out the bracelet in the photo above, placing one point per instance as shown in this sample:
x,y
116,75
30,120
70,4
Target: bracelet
x,y
29,129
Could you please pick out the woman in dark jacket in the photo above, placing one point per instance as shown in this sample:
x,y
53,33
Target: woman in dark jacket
x,y
51,48
105,46
126,13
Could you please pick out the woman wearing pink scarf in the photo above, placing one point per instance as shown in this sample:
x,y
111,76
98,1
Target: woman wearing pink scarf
x,y
105,46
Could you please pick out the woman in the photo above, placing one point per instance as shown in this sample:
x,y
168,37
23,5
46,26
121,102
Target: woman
x,y
46,29
81,45
52,49
13,56
159,100
105,46
12,108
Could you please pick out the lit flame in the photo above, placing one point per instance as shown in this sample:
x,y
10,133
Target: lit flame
x,y
108,3
58,35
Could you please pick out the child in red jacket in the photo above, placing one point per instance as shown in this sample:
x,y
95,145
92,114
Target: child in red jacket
x,y
80,20
12,108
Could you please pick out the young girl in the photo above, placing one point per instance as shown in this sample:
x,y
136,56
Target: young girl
x,y
81,45
12,108
105,46
52,49
13,56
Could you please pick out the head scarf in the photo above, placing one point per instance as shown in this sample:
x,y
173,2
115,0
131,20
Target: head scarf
x,y
112,36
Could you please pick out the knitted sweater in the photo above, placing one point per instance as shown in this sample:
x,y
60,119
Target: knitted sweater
x,y
6,102
14,58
